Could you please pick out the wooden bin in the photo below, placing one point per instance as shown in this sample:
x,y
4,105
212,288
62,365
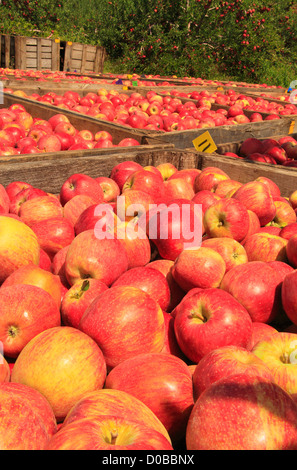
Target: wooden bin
x,y
83,58
49,175
36,53
80,122
248,170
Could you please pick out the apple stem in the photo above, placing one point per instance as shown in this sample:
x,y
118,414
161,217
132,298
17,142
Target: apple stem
x,y
114,435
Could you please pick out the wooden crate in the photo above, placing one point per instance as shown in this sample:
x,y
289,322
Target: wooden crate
x,y
83,58
248,170
6,51
36,53
80,122
230,133
49,175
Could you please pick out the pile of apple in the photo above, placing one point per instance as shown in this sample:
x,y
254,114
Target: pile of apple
x,y
21,133
153,111
281,151
146,309
239,101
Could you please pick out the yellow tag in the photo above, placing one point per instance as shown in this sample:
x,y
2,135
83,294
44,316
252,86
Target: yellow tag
x,y
69,43
204,143
220,88
129,76
125,88
292,126
57,40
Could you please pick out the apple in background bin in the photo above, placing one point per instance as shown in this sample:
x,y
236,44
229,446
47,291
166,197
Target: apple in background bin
x,y
65,365
236,407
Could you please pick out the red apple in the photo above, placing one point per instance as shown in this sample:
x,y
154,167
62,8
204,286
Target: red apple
x,y
202,267
209,319
65,365
263,246
278,352
232,252
236,407
289,230
40,208
175,227
111,402
255,196
151,376
80,183
226,217
53,234
15,187
288,295
111,433
36,276
121,171
225,187
75,207
166,169
89,257
136,243
89,217
255,286
150,281
124,321
249,146
146,181
27,419
26,310
110,188
22,196
188,175
260,331
49,143
225,361
206,198
178,188
285,214
78,298
209,178
165,266
18,246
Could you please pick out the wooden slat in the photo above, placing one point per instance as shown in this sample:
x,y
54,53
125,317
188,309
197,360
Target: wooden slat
x,y
7,51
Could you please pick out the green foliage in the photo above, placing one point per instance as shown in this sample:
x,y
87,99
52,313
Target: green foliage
x,y
249,41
